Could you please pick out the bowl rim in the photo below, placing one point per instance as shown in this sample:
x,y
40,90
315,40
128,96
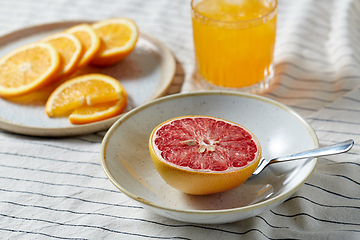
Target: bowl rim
x,y
279,198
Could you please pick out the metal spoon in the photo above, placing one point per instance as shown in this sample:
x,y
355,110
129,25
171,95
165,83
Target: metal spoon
x,y
317,152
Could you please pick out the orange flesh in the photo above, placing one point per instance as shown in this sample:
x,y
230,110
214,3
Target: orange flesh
x,y
118,39
28,71
120,35
75,96
65,47
84,38
98,112
227,53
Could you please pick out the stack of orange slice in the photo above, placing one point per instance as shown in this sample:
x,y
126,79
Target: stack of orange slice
x,y
45,67
89,40
69,49
88,98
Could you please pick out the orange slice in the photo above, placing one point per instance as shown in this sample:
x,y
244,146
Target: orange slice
x,y
28,68
89,40
90,89
70,51
98,112
118,39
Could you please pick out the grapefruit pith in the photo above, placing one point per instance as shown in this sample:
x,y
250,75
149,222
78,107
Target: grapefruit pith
x,y
203,155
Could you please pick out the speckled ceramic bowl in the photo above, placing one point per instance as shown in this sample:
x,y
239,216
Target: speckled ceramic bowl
x,y
126,160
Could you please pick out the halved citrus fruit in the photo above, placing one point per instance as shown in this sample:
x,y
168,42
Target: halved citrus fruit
x,y
90,89
203,155
98,112
69,49
118,39
89,40
28,68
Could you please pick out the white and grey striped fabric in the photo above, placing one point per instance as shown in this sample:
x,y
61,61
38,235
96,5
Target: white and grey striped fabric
x,y
54,188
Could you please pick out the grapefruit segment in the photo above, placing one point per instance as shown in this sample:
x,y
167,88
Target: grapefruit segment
x,y
203,155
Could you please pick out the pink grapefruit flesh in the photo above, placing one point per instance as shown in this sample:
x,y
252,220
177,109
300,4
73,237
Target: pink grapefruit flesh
x,y
203,155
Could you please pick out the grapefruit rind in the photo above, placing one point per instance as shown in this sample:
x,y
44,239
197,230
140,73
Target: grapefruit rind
x,y
202,182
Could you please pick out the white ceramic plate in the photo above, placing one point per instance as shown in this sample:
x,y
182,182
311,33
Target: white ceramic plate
x,y
146,74
127,163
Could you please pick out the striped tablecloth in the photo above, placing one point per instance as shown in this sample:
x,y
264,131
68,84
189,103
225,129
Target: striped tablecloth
x,y
55,188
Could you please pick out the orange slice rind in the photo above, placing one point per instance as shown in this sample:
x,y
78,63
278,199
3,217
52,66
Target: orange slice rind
x,y
118,39
89,40
69,49
28,68
98,112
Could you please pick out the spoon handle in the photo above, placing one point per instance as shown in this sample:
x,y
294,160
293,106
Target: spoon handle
x,y
318,152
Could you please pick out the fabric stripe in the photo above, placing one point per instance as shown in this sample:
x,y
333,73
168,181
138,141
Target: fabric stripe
x,y
55,188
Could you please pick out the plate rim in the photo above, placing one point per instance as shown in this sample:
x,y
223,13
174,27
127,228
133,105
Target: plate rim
x,y
279,198
82,129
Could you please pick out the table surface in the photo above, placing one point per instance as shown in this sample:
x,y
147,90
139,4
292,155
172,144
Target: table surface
x,y
55,188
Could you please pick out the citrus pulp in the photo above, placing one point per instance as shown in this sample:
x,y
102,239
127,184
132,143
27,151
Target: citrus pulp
x,y
69,49
89,40
118,39
98,112
85,90
203,155
28,68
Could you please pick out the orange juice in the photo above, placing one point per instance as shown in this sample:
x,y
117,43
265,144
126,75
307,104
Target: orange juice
x,y
234,42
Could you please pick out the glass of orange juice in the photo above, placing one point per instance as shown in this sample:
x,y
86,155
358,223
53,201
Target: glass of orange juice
x,y
234,43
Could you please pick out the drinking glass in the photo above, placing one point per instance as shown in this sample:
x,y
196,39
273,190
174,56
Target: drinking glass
x,y
234,43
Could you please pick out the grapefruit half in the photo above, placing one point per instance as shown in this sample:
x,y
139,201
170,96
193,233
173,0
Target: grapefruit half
x,y
203,155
